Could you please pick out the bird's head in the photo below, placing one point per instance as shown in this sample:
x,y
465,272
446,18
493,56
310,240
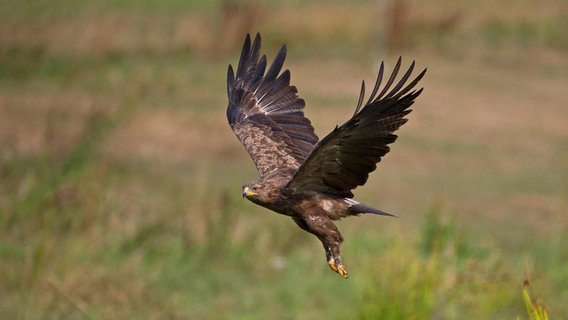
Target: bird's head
x,y
253,191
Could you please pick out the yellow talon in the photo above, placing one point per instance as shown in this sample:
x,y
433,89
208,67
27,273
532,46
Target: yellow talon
x,y
340,269
332,265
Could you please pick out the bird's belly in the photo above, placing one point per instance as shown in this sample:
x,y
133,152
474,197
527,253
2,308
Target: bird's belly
x,y
286,209
334,208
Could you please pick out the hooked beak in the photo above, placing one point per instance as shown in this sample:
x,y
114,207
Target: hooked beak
x,y
248,192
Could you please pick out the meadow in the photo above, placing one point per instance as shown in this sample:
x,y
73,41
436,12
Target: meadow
x,y
120,179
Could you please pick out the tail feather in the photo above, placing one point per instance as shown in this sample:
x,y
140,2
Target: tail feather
x,y
357,208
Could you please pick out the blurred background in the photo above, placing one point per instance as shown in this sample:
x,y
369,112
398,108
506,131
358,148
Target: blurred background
x,y
120,180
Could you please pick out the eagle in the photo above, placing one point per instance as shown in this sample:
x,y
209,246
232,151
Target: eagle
x,y
308,179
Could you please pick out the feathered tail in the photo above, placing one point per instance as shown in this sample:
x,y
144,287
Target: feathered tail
x,y
357,208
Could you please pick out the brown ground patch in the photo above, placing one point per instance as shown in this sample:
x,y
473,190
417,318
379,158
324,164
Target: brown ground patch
x,y
46,121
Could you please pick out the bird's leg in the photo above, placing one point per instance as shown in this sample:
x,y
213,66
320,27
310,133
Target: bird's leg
x,y
334,261
326,231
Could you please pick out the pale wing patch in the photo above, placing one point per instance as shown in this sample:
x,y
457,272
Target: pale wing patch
x,y
351,202
327,205
269,155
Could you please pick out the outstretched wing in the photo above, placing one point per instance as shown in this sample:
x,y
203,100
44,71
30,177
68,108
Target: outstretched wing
x,y
344,158
266,113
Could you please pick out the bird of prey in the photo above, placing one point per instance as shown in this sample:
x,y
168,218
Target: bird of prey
x,y
308,179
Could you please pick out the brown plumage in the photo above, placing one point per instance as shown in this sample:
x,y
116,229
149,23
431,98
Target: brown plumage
x,y
301,177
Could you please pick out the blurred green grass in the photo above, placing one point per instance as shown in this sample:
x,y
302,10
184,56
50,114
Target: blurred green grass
x,y
120,179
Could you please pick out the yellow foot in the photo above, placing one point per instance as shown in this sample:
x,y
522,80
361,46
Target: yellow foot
x,y
338,268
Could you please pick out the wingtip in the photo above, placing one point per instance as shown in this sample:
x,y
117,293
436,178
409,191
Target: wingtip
x,y
361,97
257,40
230,79
277,64
247,39
283,51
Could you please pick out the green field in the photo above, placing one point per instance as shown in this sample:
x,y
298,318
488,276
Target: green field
x,y
120,179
